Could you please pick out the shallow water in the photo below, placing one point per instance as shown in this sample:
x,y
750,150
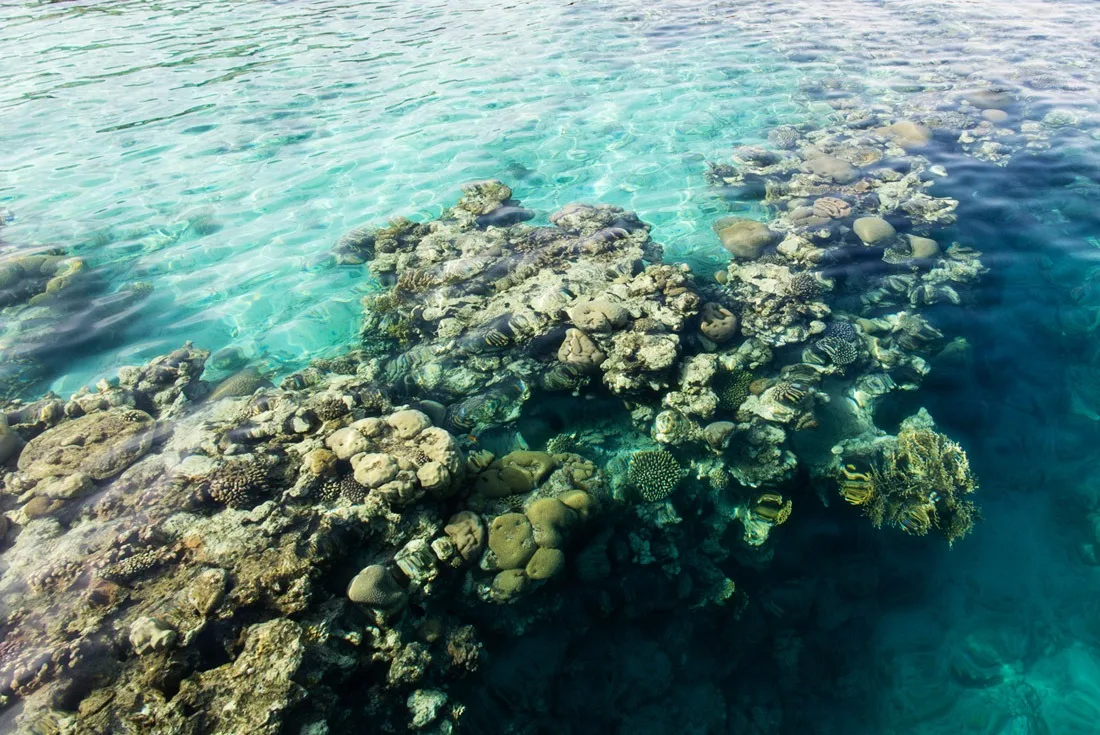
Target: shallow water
x,y
217,151
220,156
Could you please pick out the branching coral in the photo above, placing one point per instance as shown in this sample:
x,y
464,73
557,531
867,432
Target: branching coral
x,y
238,484
341,488
654,473
732,388
562,443
919,483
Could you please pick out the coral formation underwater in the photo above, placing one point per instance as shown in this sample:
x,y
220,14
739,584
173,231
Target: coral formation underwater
x,y
566,478
355,518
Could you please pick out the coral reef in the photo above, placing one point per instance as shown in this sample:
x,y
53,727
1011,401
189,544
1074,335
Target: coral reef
x,y
378,513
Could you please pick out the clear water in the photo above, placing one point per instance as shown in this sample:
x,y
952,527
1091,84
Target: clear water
x,y
218,150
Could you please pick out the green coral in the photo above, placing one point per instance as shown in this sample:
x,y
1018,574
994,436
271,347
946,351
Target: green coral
x,y
399,233
401,330
562,444
921,483
655,474
383,303
732,388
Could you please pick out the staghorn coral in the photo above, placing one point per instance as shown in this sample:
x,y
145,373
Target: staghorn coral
x,y
654,474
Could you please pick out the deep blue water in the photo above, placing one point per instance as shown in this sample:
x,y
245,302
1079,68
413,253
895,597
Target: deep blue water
x,y
218,151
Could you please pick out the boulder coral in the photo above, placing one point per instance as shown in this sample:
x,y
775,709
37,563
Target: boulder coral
x,y
375,587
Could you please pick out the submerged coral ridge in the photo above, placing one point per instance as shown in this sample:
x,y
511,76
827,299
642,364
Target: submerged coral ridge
x,y
353,520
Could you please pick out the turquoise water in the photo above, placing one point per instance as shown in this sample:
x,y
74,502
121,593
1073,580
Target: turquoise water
x,y
218,151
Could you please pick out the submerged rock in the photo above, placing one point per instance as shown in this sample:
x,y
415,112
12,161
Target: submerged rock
x,y
252,693
9,440
743,238
100,445
425,705
989,99
149,634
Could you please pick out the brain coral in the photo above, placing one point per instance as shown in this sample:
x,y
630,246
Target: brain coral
x,y
375,587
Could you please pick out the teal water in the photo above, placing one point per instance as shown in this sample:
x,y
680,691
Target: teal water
x,y
217,151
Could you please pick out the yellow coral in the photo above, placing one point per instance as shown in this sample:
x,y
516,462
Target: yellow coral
x,y
417,280
919,483
773,508
856,487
